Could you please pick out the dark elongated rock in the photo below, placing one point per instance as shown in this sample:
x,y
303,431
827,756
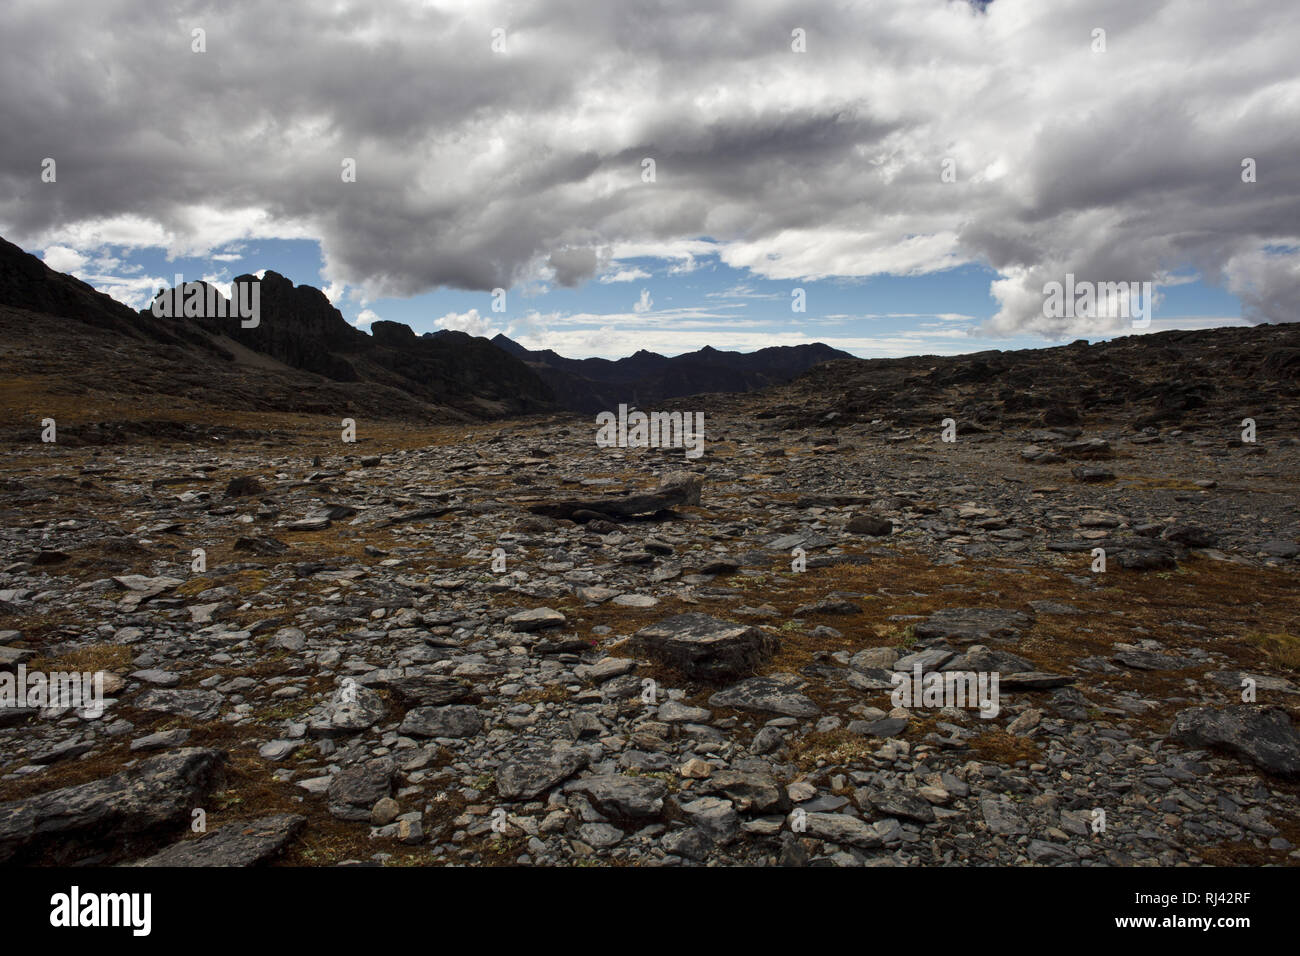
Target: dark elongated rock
x,y
155,795
622,796
531,774
704,647
679,488
966,624
902,803
766,695
885,727
243,486
1150,660
237,844
1190,536
871,525
428,690
1093,473
265,546
1263,735
1088,448
827,606
980,658
1033,680
1144,554
455,720
196,704
750,792
830,501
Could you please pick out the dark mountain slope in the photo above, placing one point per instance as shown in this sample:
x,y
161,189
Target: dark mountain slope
x,y
68,349
300,328
1187,379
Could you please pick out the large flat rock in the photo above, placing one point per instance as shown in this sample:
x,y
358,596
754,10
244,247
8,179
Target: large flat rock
x,y
679,488
765,695
195,704
531,774
429,690
237,844
705,648
622,796
452,720
155,795
1263,735
966,625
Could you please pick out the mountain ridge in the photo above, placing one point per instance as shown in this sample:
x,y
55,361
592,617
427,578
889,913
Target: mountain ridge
x,y
646,378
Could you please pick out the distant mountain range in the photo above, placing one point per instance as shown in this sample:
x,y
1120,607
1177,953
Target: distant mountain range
x,y
647,378
303,356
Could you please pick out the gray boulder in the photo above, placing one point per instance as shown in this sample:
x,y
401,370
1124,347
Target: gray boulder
x,y
156,794
705,648
1263,735
237,844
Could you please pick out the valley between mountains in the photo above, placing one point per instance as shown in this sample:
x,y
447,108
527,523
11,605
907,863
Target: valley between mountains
x,y
474,637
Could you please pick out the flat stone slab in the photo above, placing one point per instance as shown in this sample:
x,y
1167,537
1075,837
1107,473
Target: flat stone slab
x,y
1001,817
885,727
842,828
534,619
1264,736
799,539
605,669
903,804
155,794
194,704
829,606
11,657
531,774
676,489
1280,548
138,582
968,624
1141,554
1262,681
157,677
453,720
929,660
346,713
704,647
675,712
237,844
765,695
1033,680
1150,660
356,788
622,796
161,740
978,658
750,792
428,690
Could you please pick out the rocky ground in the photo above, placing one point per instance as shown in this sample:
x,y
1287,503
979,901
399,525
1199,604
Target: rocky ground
x,y
361,675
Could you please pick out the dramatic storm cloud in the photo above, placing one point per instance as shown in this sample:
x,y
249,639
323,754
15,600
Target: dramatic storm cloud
x,y
910,137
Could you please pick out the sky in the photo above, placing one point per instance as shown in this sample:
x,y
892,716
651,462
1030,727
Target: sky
x,y
890,177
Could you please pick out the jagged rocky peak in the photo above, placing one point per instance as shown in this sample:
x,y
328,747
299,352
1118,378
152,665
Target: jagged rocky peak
x,y
225,344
